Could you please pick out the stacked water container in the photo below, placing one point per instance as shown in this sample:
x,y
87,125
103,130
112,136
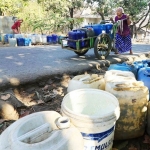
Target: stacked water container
x,y
101,28
23,41
76,35
133,99
49,39
7,37
52,39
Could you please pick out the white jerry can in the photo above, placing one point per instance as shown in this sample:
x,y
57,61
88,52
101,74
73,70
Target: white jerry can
x,y
12,42
118,75
46,130
133,98
86,81
38,38
44,39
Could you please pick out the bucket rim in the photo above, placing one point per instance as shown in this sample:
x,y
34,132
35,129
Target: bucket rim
x,y
110,114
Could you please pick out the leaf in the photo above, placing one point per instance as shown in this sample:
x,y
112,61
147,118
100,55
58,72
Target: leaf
x,y
5,97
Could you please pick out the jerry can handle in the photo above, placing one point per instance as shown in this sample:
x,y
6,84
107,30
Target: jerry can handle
x,y
63,123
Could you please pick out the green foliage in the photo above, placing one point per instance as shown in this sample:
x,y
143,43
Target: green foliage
x,y
9,7
102,7
133,7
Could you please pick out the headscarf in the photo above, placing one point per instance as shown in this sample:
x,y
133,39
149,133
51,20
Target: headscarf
x,y
121,9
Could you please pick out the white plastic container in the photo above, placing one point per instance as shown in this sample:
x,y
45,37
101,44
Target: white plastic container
x,y
33,39
27,36
118,75
41,131
44,39
94,112
38,38
133,98
12,42
86,81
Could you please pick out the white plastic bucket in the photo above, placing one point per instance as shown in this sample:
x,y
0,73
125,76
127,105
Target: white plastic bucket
x,y
42,131
94,112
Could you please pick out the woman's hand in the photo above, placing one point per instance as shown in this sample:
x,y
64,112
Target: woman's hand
x,y
111,19
128,17
128,20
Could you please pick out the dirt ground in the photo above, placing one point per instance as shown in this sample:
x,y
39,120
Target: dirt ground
x,y
48,94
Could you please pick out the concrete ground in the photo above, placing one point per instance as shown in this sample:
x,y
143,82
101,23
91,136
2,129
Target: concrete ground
x,y
19,65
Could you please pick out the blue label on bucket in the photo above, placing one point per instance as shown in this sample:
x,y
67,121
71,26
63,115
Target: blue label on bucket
x,y
103,146
98,136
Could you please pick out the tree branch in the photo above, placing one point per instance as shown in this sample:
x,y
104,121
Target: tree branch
x,y
145,16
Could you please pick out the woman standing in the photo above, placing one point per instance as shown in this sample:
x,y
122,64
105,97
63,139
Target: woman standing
x,y
123,38
16,26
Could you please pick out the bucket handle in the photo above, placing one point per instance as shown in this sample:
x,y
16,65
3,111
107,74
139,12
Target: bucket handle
x,y
84,78
63,123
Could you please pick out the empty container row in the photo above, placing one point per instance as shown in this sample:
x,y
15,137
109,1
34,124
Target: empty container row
x,y
34,38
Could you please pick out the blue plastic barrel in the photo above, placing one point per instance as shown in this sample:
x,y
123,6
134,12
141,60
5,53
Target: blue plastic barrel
x,y
49,39
123,67
54,38
20,41
109,27
27,42
138,65
87,26
144,76
23,41
148,62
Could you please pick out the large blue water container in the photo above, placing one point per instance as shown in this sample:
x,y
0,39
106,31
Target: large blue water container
x,y
109,27
7,36
54,38
99,28
49,39
23,41
87,26
27,42
138,65
76,35
144,75
148,62
123,67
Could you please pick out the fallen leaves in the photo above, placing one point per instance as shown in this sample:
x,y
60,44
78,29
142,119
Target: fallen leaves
x,y
5,97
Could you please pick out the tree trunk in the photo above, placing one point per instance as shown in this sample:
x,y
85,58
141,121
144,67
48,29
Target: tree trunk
x,y
71,16
1,13
102,15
